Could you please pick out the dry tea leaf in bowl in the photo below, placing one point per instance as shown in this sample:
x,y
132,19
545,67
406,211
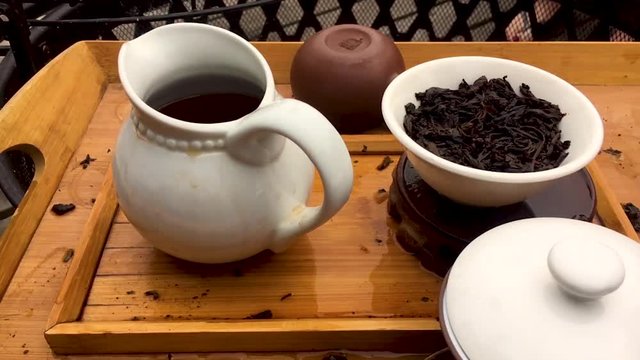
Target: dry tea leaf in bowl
x,y
488,126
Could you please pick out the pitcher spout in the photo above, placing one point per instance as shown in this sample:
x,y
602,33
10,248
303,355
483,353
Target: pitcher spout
x,y
169,53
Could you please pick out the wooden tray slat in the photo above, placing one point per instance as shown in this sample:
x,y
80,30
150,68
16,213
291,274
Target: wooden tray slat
x,y
580,63
69,303
610,212
49,134
273,335
576,62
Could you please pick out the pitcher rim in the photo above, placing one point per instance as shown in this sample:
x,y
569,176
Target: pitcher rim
x,y
149,111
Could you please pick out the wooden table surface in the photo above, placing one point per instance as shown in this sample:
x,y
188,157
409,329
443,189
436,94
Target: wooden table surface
x,y
28,301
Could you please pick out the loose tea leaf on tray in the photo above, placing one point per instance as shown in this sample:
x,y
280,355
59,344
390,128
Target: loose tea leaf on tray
x,y
68,255
266,314
488,126
87,161
633,214
61,209
155,295
380,196
614,152
386,161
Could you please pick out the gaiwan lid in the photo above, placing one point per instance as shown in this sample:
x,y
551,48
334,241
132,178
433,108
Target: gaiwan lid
x,y
545,289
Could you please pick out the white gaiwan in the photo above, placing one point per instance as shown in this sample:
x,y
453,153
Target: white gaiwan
x,y
582,125
544,289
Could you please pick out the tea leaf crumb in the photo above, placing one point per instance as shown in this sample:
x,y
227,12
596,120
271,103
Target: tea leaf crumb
x,y
152,293
386,161
86,161
266,314
68,255
380,196
633,214
61,209
613,152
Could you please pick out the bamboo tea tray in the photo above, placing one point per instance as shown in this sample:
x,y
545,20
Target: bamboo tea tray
x,y
346,285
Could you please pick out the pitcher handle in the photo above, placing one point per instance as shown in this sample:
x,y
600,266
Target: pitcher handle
x,y
314,134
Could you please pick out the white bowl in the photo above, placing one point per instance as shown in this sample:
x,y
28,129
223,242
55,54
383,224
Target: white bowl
x,y
582,125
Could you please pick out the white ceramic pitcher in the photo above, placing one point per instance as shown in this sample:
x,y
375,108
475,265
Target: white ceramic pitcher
x,y
221,192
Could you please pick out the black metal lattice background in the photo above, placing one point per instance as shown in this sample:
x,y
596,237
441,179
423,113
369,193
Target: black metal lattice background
x,y
43,29
403,20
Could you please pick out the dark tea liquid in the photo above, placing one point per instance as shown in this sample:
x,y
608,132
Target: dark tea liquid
x,y
207,99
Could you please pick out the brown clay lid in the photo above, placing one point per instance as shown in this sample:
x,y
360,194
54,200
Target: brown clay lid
x,y
343,71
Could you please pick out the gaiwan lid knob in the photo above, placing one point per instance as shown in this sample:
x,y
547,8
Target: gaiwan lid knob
x,y
545,288
586,268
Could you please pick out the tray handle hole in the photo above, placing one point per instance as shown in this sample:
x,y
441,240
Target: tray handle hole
x,y
19,166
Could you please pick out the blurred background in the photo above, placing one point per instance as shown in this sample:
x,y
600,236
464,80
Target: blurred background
x,y
34,32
